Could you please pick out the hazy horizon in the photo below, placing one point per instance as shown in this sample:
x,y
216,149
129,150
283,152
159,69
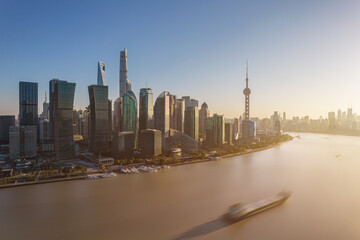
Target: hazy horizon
x,y
303,56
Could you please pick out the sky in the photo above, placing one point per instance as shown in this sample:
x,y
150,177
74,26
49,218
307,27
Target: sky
x,y
304,56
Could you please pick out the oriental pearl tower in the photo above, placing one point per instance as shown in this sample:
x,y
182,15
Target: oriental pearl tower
x,y
248,128
247,92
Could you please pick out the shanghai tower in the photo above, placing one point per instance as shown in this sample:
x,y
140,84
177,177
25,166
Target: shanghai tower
x,y
125,84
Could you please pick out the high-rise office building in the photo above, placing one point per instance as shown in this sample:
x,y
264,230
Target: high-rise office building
x,y
162,113
125,84
14,142
28,103
215,130
101,77
203,114
44,130
146,109
187,101
194,103
129,118
118,108
332,120
172,111
5,123
180,114
229,133
28,141
99,119
191,125
61,117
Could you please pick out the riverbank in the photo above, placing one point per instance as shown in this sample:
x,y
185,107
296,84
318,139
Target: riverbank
x,y
85,176
231,155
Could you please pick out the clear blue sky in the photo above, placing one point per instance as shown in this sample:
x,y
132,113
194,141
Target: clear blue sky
x,y
304,56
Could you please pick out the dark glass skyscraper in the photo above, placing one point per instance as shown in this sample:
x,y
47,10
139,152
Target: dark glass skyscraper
x,y
5,123
99,119
129,118
146,112
61,117
28,103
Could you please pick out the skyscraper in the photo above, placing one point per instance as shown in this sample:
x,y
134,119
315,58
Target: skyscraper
x,y
172,111
129,118
118,108
162,113
5,123
28,103
191,125
99,119
101,78
215,130
180,113
203,114
125,84
45,112
61,117
146,111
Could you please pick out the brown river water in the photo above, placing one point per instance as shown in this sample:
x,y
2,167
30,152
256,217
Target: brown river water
x,y
186,202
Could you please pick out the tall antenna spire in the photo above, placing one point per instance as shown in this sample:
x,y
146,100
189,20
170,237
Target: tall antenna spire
x,y
247,76
45,97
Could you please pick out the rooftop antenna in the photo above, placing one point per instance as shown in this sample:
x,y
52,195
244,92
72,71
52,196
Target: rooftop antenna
x,y
45,97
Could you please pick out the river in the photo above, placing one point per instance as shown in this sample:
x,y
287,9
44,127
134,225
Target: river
x,y
185,202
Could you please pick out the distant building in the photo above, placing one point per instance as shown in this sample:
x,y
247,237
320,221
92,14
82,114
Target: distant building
x,y
150,142
99,119
332,120
187,101
191,125
125,84
28,140
123,144
146,109
229,133
204,113
75,122
194,103
6,121
28,103
277,128
101,77
45,112
14,142
44,129
61,117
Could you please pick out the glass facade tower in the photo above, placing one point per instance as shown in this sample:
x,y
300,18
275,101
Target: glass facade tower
x,y
192,122
162,113
129,117
61,109
28,103
146,112
99,119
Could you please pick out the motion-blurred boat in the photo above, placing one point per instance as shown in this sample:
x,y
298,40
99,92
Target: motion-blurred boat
x,y
237,212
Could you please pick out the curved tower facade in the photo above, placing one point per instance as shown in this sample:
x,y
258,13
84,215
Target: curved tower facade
x,y
101,78
125,84
129,114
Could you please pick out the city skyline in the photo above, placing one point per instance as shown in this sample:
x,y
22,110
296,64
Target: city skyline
x,y
178,57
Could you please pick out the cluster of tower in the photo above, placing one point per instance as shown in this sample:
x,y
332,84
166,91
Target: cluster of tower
x,y
166,123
